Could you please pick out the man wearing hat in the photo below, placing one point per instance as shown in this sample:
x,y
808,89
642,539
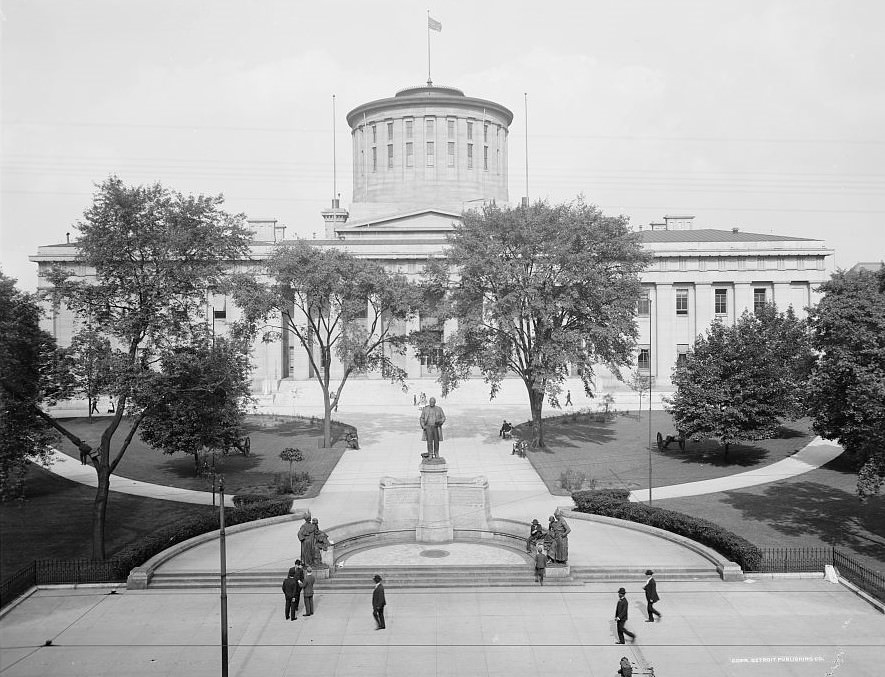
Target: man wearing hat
x,y
621,617
378,603
651,596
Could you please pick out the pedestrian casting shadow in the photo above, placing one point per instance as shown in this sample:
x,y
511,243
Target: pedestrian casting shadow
x,y
568,435
835,516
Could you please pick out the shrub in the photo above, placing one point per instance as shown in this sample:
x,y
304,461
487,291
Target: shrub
x,y
143,549
614,503
241,500
297,483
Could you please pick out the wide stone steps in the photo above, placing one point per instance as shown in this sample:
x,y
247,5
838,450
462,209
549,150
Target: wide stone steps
x,y
357,578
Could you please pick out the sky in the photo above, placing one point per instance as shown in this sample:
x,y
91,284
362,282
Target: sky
x,y
765,115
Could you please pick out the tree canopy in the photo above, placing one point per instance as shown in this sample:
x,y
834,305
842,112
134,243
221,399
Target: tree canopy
x,y
740,381
144,260
197,401
535,289
846,391
26,356
333,304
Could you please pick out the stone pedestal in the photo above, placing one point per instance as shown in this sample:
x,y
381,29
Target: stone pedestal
x,y
434,515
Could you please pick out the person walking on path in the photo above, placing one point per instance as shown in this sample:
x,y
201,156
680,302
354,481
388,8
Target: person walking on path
x,y
378,603
290,589
651,596
540,564
621,617
307,588
431,422
568,398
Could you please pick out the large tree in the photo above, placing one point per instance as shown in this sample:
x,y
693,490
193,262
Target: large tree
x,y
846,392
333,304
145,258
537,289
26,356
740,381
196,404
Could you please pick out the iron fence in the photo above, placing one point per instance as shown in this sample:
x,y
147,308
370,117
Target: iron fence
x,y
79,571
795,560
871,582
798,560
18,583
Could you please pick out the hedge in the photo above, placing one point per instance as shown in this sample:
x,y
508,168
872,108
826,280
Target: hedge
x,y
139,552
615,503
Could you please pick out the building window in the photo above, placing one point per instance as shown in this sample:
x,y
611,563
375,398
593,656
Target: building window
x,y
498,160
681,354
643,360
470,130
485,158
429,127
469,156
410,126
430,157
451,153
374,159
410,154
432,355
390,156
682,263
450,126
485,132
682,301
800,263
758,299
781,263
390,131
362,162
374,134
643,306
720,301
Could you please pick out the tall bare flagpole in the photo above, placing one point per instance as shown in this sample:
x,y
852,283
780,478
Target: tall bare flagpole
x,y
526,105
334,154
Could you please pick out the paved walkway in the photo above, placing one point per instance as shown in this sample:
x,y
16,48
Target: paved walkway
x,y
770,628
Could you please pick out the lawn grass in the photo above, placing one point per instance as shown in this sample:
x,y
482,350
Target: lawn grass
x,y
55,520
614,453
817,508
256,473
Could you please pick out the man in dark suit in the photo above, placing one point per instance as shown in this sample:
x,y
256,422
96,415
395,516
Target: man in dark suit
x,y
307,589
378,603
290,586
621,617
651,596
299,576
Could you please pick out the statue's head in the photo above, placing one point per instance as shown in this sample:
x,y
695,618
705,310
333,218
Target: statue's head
x,y
316,521
432,401
552,519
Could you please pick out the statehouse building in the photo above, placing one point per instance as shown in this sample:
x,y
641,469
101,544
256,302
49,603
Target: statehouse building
x,y
423,156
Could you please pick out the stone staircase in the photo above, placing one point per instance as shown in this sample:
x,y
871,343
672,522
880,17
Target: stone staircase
x,y
429,577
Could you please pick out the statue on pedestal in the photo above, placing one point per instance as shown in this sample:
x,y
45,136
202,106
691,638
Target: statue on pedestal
x,y
431,422
558,532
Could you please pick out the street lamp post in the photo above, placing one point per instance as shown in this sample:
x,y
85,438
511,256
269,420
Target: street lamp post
x,y
650,381
224,652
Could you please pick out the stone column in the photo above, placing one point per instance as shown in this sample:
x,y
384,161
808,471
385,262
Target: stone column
x,y
434,516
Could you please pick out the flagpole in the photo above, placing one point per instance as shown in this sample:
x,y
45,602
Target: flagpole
x,y
429,81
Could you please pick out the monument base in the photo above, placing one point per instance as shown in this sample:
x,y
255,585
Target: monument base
x,y
434,517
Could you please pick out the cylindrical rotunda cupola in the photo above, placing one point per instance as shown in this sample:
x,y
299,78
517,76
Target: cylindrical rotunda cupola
x,y
428,147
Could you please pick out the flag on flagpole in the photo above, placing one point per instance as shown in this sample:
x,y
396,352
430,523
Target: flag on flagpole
x,y
433,24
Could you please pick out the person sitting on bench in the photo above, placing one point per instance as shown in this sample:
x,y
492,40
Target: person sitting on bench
x,y
506,430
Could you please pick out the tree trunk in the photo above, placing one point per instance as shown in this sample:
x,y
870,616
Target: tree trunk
x,y
196,463
99,510
536,402
726,450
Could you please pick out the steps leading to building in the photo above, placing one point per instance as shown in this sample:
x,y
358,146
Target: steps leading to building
x,y
358,577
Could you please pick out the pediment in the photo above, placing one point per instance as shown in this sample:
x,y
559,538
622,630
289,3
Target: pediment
x,y
418,220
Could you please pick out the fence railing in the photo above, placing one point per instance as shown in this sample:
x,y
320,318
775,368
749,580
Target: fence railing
x,y
798,560
18,583
871,582
795,560
49,571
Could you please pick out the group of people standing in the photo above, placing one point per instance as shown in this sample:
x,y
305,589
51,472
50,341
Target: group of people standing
x,y
550,545
299,581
